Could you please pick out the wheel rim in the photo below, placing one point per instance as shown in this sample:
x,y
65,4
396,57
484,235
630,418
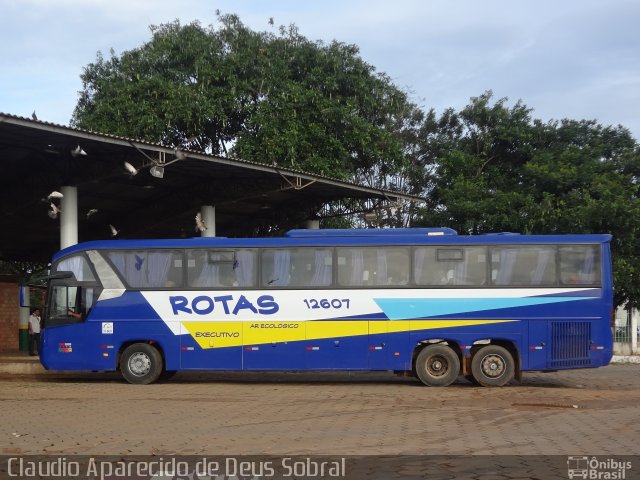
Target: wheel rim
x,y
493,366
437,366
139,364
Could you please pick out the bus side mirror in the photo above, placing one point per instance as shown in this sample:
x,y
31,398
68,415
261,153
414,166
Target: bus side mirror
x,y
60,275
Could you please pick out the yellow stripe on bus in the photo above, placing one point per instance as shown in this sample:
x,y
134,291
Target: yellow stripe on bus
x,y
237,334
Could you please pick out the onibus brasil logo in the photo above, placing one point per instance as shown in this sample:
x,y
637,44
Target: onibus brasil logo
x,y
594,468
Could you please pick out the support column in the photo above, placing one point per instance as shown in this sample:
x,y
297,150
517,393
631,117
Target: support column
x,y
23,325
208,213
69,217
313,224
634,331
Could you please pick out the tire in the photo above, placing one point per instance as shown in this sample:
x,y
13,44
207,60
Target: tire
x,y
437,365
493,366
141,364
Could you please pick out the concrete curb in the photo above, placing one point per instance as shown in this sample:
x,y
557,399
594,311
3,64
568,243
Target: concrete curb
x,y
21,368
626,359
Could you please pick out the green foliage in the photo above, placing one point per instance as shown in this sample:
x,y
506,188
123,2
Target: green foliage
x,y
25,272
497,169
321,109
281,99
178,89
274,98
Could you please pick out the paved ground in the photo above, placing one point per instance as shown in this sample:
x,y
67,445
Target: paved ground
x,y
582,412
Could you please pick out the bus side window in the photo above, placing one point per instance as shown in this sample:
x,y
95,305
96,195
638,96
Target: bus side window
x,y
445,266
297,267
221,268
373,266
67,304
78,265
529,265
579,265
276,267
148,268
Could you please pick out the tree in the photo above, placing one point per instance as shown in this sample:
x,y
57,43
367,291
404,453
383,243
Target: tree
x,y
178,89
494,168
274,98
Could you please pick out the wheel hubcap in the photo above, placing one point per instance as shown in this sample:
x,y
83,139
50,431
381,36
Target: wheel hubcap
x,y
437,366
139,364
493,366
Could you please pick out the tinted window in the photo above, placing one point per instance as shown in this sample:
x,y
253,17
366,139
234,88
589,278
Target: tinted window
x,y
149,268
438,266
579,265
297,267
64,301
70,304
523,265
221,269
77,264
370,266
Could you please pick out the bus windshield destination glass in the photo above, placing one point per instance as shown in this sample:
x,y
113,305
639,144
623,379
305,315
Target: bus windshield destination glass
x,y
421,301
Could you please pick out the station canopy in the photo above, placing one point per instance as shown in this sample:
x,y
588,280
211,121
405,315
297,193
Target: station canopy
x,y
38,158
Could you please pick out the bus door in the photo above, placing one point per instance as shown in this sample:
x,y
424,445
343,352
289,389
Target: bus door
x,y
68,340
211,345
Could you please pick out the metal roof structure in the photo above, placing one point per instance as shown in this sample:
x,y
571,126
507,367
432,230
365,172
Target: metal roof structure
x,y
39,157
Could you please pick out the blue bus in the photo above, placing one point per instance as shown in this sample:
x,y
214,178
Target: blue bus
x,y
422,301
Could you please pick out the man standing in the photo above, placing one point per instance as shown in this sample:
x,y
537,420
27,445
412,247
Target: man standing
x,y
34,331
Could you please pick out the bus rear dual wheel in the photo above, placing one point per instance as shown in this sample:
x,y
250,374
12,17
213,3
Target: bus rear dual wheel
x,y
492,366
439,366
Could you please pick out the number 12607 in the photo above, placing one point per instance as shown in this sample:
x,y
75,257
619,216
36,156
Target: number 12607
x,y
313,303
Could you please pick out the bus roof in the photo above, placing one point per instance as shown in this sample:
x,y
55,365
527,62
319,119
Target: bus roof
x,y
403,236
368,232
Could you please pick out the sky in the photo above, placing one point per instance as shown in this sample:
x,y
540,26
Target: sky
x,y
577,59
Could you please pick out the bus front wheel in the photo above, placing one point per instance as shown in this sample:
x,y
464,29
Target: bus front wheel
x,y
493,366
141,364
437,365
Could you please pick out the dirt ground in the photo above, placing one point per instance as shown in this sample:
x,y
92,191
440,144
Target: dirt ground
x,y
580,412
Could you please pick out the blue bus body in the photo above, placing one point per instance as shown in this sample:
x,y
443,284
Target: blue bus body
x,y
355,307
